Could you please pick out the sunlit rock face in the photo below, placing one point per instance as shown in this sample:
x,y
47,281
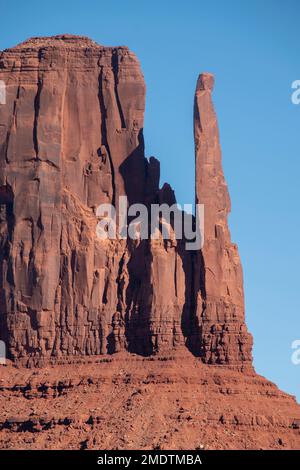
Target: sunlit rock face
x,y
220,302
71,138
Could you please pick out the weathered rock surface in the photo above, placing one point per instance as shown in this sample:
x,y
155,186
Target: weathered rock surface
x,y
124,401
220,299
71,138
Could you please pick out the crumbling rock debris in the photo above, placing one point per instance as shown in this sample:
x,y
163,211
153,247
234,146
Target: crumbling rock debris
x,y
133,402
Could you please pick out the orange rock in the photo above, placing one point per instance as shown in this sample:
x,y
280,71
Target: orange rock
x,y
219,291
114,322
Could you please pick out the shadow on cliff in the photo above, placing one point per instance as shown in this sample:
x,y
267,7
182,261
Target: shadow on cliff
x,y
139,293
134,305
133,171
6,272
194,274
138,321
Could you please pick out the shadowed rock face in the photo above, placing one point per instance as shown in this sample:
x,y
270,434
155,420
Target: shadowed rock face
x,y
71,138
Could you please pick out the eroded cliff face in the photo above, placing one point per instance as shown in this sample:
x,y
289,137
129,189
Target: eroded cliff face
x,y
71,138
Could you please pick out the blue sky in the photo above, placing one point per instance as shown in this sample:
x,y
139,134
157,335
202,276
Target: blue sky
x,y
253,49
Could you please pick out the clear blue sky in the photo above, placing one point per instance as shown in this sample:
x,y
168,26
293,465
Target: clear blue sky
x,y
253,48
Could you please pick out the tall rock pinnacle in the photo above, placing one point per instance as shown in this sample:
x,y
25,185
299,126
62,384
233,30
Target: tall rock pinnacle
x,y
220,301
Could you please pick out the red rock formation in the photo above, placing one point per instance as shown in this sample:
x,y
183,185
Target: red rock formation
x,y
70,139
220,299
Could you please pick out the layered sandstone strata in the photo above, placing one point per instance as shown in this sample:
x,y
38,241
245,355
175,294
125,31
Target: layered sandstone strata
x,y
71,138
125,401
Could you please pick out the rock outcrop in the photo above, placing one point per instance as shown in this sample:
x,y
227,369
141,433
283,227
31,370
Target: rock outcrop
x,y
71,139
220,301
125,401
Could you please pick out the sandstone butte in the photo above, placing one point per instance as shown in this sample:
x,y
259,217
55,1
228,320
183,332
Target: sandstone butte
x,y
116,344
